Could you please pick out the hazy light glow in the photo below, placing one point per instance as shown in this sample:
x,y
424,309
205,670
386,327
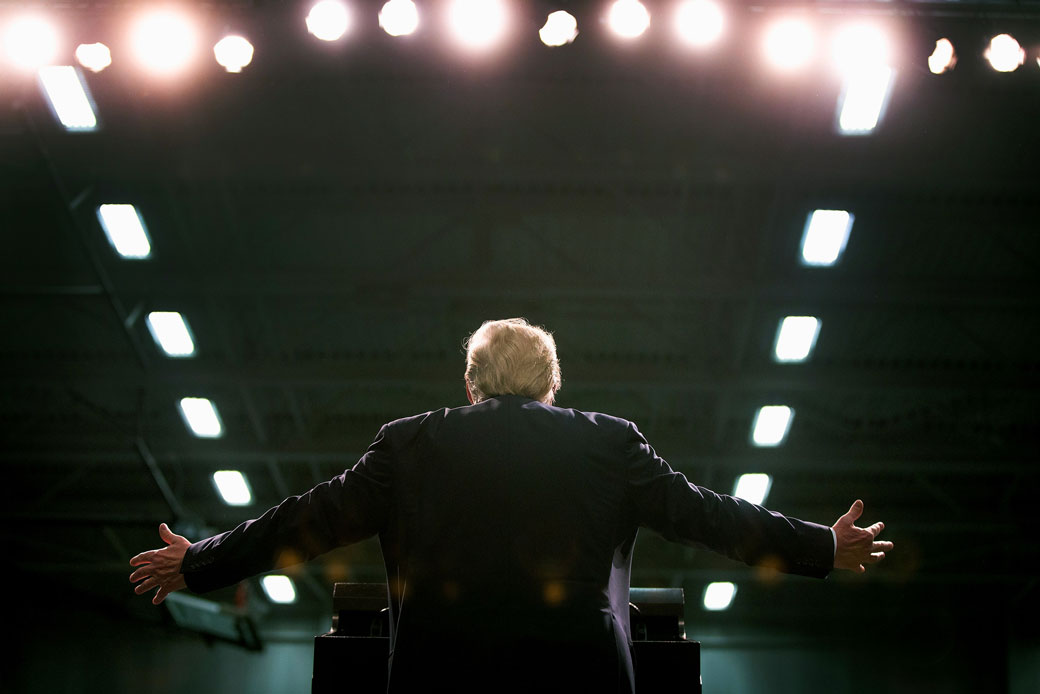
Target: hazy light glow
x,y
858,47
232,487
795,338
31,42
699,22
170,331
1004,53
771,425
68,96
943,58
125,230
164,41
94,56
719,595
628,18
233,53
201,417
399,17
560,28
328,20
825,236
279,589
789,44
753,487
477,24
863,99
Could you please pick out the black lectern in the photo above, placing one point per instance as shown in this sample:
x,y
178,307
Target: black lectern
x,y
359,642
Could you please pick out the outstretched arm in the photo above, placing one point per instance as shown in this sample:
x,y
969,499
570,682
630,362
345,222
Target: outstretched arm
x,y
855,547
161,567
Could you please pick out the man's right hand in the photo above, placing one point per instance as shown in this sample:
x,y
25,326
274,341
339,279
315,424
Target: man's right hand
x,y
855,547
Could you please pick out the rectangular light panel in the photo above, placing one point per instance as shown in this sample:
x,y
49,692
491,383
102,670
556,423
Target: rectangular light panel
x,y
232,487
170,331
125,230
753,487
719,595
826,233
771,425
863,99
795,338
279,589
69,97
201,417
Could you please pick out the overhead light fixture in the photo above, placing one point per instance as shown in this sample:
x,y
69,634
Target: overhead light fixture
x,y
279,589
699,22
399,17
789,44
164,41
719,595
125,230
328,20
94,56
560,28
201,417
863,99
753,487
1004,53
859,46
795,338
943,58
629,19
771,425
477,24
68,97
233,53
170,331
232,487
825,236
31,42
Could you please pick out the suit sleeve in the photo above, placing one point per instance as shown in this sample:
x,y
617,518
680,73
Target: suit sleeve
x,y
346,509
667,503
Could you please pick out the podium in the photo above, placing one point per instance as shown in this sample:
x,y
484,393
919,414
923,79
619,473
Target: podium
x,y
352,657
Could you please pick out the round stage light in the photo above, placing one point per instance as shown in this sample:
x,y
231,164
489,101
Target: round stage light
x,y
943,58
328,20
399,17
789,44
477,24
164,41
859,47
1004,53
31,42
628,18
233,53
560,28
699,22
94,56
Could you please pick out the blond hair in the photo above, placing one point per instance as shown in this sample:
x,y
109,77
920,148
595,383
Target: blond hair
x,y
512,357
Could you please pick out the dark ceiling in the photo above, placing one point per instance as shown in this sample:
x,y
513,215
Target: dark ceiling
x,y
337,218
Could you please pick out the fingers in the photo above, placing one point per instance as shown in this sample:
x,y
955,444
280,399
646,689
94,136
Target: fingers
x,y
143,558
882,546
143,572
146,585
876,528
854,512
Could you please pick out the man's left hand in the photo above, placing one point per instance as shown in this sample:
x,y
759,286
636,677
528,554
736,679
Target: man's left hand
x,y
161,568
857,546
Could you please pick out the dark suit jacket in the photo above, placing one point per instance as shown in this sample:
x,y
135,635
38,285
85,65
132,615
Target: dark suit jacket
x,y
507,529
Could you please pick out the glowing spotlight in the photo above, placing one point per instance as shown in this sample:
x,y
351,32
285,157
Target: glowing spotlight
x,y
628,18
789,44
943,58
31,42
68,96
477,24
1004,53
719,596
863,99
164,41
399,17
699,22
328,20
859,47
94,56
233,53
560,28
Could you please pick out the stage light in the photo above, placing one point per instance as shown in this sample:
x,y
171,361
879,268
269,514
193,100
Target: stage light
x,y
399,17
719,595
164,41
943,58
201,417
699,22
795,338
863,99
233,53
560,28
328,20
68,96
31,42
753,487
826,233
859,46
789,44
477,24
232,487
279,589
628,18
771,425
94,56
170,331
1004,53
125,230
